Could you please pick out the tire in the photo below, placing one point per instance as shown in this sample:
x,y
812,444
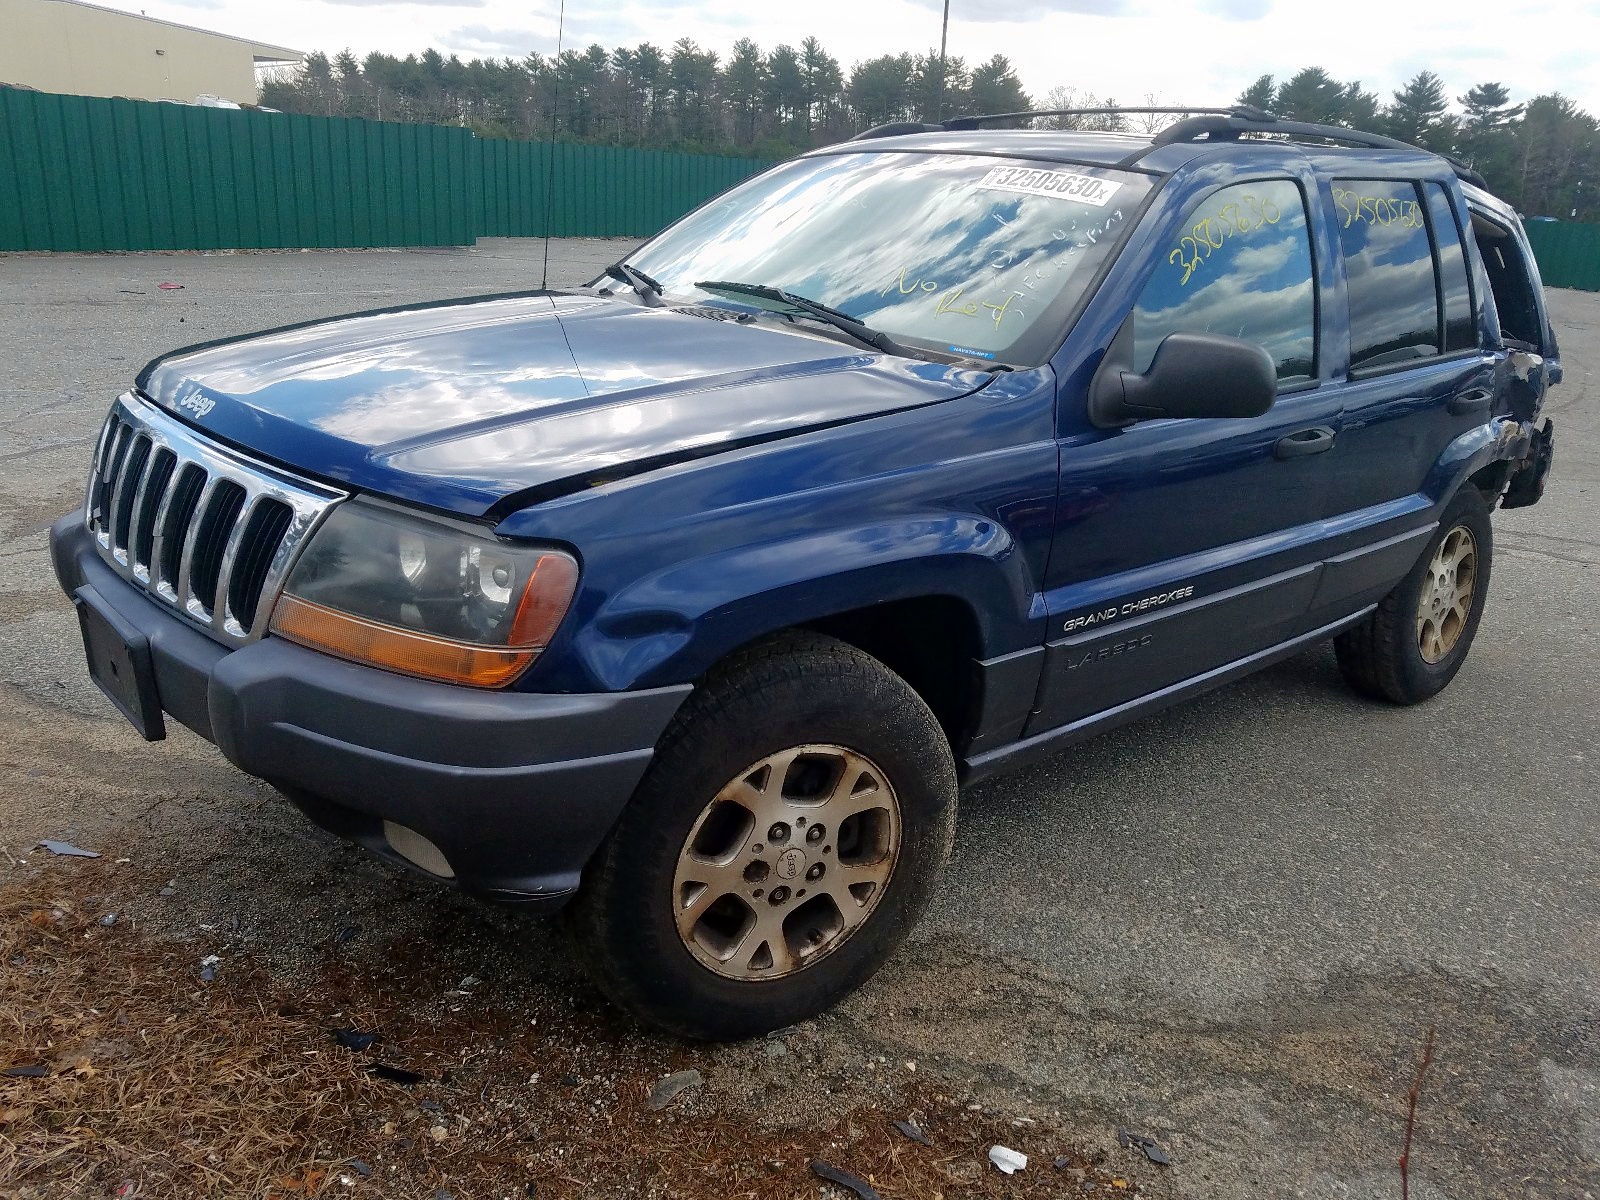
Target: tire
x,y
1409,649
832,722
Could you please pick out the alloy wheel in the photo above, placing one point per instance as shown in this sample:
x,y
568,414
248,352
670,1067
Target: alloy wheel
x,y
1447,593
786,862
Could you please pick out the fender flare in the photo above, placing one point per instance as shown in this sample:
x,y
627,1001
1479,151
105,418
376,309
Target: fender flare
x,y
1501,439
674,624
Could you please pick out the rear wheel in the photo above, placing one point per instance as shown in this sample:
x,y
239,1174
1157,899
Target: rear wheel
x,y
1417,639
787,836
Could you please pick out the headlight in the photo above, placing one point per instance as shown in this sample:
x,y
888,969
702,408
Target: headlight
x,y
439,601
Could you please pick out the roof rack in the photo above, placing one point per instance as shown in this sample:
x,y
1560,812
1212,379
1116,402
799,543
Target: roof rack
x,y
1230,126
895,128
977,122
1213,124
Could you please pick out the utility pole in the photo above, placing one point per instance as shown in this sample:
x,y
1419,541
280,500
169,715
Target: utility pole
x,y
944,39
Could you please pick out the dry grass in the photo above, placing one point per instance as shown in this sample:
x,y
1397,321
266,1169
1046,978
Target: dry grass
x,y
160,1084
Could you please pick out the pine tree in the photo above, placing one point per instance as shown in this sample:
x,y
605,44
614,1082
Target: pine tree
x,y
1420,114
1263,93
744,80
1311,95
1558,150
786,85
880,88
995,88
1360,109
1484,129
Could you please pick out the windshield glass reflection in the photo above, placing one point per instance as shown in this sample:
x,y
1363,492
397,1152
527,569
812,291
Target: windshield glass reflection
x,y
971,255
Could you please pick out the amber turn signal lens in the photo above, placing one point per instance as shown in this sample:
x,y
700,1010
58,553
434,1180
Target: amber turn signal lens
x,y
544,601
378,645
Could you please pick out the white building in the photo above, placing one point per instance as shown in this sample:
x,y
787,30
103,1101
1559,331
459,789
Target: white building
x,y
85,50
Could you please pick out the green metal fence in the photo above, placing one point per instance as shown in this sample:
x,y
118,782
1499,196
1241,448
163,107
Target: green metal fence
x,y
1568,254
83,173
599,191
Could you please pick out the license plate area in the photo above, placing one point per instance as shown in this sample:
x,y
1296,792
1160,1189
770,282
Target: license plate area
x,y
120,663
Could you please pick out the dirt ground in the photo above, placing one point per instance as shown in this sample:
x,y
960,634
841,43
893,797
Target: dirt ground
x,y
1227,928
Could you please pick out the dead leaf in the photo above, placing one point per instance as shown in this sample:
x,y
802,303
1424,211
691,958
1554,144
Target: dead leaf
x,y
83,1069
304,1184
14,1116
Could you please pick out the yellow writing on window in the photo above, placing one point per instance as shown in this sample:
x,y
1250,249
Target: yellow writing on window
x,y
909,287
950,303
1209,234
1382,211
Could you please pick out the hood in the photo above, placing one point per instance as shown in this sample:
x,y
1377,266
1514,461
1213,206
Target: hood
x,y
479,405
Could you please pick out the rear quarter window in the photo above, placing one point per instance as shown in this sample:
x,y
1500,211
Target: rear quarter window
x,y
1455,286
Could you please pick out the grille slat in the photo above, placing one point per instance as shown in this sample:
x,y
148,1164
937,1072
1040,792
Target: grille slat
x,y
105,481
246,572
172,527
133,468
196,525
149,502
219,517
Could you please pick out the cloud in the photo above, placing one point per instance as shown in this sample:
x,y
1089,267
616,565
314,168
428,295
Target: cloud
x,y
1237,10
483,41
417,3
961,10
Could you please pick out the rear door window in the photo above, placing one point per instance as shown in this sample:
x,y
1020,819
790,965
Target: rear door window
x,y
1389,272
1239,265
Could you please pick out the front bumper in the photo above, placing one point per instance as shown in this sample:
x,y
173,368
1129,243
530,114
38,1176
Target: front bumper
x,y
515,790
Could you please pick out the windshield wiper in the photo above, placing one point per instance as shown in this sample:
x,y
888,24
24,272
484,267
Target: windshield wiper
x,y
637,280
832,316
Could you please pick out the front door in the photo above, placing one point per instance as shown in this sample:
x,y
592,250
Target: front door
x,y
1182,545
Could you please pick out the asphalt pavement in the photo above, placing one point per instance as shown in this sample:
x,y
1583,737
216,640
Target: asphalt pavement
x,y
1232,923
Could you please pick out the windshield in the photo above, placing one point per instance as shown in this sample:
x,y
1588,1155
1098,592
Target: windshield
x,y
961,254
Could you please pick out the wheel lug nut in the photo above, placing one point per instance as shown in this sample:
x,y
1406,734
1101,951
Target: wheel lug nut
x,y
756,872
815,833
778,895
815,871
778,833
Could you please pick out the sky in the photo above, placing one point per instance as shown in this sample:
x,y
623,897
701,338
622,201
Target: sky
x,y
1203,53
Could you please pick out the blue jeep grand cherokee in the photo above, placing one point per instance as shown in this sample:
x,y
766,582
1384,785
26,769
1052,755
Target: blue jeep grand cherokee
x,y
689,598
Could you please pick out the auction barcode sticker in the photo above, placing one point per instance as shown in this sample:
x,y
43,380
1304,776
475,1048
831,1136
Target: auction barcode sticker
x,y
1062,185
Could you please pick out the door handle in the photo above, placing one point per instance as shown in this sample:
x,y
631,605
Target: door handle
x,y
1475,401
1306,441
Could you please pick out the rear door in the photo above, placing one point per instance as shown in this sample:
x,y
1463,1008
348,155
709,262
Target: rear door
x,y
1419,372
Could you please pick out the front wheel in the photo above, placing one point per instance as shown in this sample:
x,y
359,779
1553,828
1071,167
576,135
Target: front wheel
x,y
787,836
1417,639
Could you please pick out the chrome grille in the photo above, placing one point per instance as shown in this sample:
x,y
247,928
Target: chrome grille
x,y
198,527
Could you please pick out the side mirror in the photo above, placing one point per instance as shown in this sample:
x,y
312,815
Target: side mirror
x,y
1192,375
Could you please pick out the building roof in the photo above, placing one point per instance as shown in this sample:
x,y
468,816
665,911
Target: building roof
x,y
260,51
